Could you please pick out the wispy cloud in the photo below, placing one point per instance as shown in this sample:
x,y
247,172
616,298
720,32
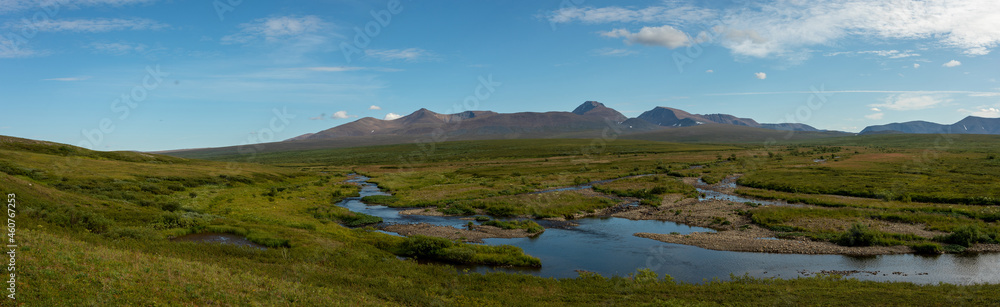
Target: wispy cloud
x,y
760,75
875,116
952,63
791,28
374,107
120,48
11,49
983,111
408,54
278,29
613,52
349,68
653,14
665,36
392,116
92,25
68,79
12,6
907,102
892,54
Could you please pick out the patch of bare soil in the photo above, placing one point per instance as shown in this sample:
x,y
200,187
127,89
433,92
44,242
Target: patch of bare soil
x,y
429,211
475,235
715,214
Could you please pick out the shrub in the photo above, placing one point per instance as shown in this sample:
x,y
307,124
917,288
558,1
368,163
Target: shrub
x,y
966,236
859,235
380,199
137,233
356,219
268,240
928,248
419,245
501,211
170,206
528,225
458,209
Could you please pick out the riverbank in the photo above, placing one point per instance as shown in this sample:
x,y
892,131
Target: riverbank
x,y
474,235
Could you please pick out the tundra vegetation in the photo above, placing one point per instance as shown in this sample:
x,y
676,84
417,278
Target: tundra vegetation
x,y
95,226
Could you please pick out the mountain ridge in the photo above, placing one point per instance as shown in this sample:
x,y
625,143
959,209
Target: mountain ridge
x,y
968,125
590,115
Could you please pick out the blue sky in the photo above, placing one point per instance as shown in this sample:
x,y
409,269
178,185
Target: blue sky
x,y
169,74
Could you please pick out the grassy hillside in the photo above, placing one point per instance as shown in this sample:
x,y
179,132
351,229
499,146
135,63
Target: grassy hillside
x,y
94,227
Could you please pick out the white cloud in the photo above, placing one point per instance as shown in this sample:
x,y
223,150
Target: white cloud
x,y
952,63
916,65
983,111
875,116
905,102
341,114
117,48
68,79
408,54
789,28
675,14
760,75
709,71
91,25
613,52
276,29
892,54
973,26
392,116
665,36
374,107
876,109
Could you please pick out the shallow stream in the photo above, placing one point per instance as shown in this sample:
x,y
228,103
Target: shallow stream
x,y
606,246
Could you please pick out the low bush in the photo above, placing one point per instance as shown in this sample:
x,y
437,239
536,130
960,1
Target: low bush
x,y
966,236
267,239
356,219
527,225
446,250
387,200
928,248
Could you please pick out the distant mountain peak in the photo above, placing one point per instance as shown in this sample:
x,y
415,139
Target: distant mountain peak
x,y
587,106
597,109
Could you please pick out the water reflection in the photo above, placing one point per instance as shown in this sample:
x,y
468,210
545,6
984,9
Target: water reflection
x,y
606,246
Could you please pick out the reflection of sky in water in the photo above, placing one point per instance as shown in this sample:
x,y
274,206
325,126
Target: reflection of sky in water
x,y
607,246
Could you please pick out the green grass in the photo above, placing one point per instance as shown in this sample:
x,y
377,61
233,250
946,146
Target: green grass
x,y
649,189
528,225
95,226
443,249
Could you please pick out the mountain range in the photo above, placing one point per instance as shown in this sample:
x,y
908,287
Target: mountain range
x,y
968,125
590,116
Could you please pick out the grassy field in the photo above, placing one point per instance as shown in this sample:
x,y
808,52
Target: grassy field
x,y
94,225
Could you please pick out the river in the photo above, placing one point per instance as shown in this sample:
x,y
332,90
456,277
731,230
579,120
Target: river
x,y
606,246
